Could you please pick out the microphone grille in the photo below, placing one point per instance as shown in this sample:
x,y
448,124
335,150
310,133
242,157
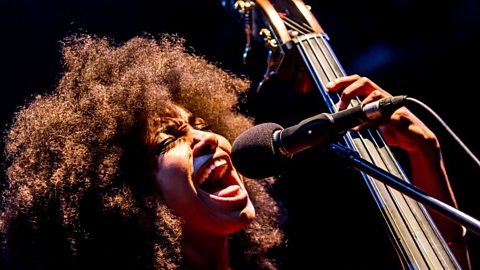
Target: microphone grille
x,y
253,153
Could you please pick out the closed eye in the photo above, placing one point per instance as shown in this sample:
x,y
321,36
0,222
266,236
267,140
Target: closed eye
x,y
202,126
165,145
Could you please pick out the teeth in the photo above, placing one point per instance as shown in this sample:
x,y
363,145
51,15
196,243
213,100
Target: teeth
x,y
208,170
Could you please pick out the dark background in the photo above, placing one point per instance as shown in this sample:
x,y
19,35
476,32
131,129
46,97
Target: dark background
x,y
425,49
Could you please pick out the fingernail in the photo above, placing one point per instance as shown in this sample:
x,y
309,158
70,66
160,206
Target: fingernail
x,y
330,84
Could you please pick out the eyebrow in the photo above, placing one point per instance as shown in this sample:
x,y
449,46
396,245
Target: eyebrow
x,y
191,118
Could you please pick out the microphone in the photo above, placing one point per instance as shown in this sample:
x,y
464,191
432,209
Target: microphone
x,y
263,150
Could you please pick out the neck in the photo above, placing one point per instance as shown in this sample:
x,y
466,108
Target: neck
x,y
204,250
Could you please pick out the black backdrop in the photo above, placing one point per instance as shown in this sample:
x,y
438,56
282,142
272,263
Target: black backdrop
x,y
425,49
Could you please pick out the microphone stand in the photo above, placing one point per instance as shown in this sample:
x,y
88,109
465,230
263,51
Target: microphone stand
x,y
353,159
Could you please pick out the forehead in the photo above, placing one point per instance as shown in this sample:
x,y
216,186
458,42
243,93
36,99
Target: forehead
x,y
177,112
182,112
170,121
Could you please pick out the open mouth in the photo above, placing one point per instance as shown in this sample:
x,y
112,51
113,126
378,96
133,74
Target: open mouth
x,y
216,178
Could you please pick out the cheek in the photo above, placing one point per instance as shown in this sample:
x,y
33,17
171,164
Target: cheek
x,y
224,143
173,178
175,162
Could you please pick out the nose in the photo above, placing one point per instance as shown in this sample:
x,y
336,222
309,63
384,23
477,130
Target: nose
x,y
204,142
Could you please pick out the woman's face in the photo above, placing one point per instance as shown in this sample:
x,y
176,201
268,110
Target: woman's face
x,y
196,178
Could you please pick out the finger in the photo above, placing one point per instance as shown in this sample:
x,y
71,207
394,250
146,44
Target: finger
x,y
369,123
375,95
361,87
342,82
361,126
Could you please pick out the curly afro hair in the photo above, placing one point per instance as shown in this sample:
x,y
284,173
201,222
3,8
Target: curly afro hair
x,y
77,193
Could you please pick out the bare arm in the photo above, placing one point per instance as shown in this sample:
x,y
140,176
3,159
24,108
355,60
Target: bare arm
x,y
404,130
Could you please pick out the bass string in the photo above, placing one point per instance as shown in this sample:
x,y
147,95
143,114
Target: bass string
x,y
405,206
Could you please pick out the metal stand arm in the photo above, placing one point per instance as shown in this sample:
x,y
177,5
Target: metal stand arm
x,y
354,160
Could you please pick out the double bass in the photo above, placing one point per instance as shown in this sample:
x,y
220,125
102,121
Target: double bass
x,y
297,53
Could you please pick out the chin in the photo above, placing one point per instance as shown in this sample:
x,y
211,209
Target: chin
x,y
245,217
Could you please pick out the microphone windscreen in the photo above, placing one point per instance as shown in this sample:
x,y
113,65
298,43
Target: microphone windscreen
x,y
253,152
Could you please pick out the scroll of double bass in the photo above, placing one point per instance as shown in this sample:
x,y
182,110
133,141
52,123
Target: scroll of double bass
x,y
289,28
